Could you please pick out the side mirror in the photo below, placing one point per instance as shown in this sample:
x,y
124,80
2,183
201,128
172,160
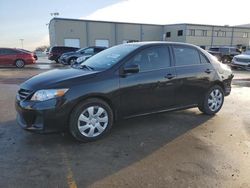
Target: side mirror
x,y
134,68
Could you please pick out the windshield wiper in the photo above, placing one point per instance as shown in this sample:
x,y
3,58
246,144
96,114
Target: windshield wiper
x,y
86,67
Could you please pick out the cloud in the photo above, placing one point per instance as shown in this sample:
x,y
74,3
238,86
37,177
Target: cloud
x,y
181,11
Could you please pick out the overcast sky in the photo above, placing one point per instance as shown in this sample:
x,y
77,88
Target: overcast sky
x,y
27,19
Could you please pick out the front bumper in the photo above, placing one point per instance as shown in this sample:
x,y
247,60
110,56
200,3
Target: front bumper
x,y
227,85
42,117
240,64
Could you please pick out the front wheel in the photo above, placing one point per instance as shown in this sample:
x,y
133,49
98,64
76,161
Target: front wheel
x,y
91,120
213,101
71,61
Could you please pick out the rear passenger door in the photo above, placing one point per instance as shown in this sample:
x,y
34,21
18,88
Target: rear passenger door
x,y
194,73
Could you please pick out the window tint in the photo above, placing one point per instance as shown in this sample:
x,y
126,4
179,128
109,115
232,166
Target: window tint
x,y
203,59
186,56
152,58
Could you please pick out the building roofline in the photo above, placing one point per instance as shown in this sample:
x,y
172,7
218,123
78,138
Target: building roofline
x,y
191,24
102,21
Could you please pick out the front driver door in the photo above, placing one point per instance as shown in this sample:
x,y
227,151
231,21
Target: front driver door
x,y
152,88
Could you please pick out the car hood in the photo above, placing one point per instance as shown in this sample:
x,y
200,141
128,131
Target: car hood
x,y
243,56
57,78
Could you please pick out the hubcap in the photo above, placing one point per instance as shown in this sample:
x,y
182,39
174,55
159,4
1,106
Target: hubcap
x,y
19,63
215,100
93,121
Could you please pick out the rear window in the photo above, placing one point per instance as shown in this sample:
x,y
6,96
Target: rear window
x,y
214,49
186,56
57,49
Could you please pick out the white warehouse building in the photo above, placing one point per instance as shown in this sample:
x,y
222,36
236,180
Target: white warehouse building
x,y
83,33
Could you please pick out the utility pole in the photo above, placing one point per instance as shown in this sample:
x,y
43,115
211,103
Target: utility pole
x,y
21,40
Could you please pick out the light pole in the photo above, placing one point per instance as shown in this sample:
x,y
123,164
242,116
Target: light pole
x,y
54,14
21,40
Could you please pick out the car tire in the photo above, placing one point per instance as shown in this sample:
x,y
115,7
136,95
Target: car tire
x,y
91,120
71,60
19,63
234,68
212,101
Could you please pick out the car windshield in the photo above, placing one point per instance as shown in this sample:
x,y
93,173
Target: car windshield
x,y
107,58
81,50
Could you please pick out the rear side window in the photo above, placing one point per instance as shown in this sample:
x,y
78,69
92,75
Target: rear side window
x,y
153,58
186,56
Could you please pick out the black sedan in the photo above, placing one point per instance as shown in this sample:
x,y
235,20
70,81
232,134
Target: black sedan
x,y
124,81
69,58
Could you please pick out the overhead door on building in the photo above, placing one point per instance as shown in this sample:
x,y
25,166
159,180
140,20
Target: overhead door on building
x,y
72,42
102,42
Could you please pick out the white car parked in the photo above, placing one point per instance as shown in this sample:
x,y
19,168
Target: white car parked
x,y
241,61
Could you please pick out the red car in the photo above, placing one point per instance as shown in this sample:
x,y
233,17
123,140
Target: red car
x,y
18,58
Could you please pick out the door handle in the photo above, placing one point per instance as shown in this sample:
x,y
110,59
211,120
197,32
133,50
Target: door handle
x,y
208,71
169,76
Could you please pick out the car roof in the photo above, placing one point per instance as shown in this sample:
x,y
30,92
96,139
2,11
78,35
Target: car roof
x,y
152,43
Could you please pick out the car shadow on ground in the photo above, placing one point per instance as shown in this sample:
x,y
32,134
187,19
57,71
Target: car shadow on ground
x,y
33,159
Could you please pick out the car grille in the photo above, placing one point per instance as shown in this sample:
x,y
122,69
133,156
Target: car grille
x,y
24,94
242,60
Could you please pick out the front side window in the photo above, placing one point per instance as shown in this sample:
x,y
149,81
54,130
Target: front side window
x,y
204,60
186,56
153,58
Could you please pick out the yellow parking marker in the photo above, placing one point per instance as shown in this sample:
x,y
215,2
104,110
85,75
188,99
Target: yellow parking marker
x,y
70,178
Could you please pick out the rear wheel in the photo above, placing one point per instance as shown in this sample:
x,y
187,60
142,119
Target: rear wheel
x,y
91,120
20,63
213,101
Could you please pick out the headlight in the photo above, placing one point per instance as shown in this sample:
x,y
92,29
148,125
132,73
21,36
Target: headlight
x,y
81,59
43,95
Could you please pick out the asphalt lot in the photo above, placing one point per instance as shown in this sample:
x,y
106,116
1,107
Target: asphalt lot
x,y
176,149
